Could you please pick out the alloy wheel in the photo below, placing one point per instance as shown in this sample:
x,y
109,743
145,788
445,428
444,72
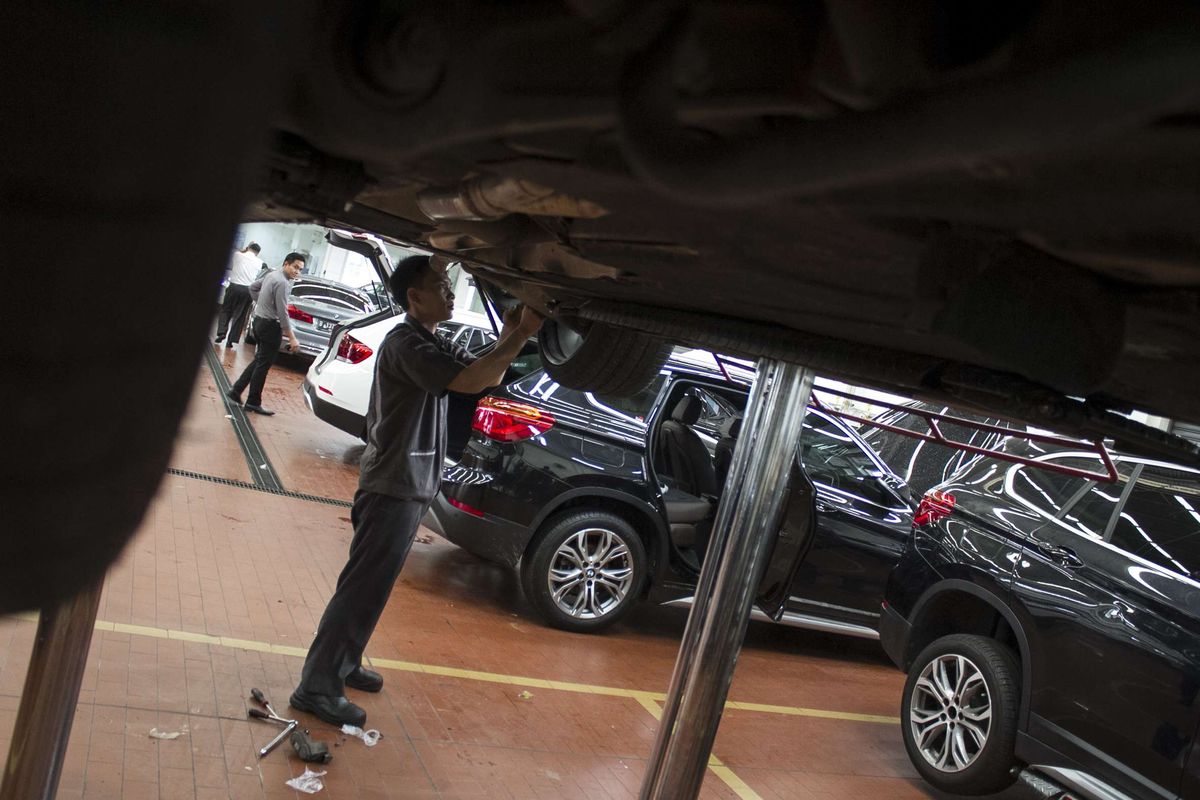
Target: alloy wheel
x,y
950,713
590,573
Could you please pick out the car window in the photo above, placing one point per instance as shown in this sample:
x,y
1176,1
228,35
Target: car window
x,y
331,295
1091,514
832,457
541,386
1050,492
1161,520
526,363
448,329
636,406
924,464
715,411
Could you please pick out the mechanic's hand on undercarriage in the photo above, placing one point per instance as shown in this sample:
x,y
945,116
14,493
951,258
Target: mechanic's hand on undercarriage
x,y
522,320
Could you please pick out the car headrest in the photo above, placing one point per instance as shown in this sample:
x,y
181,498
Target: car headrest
x,y
687,410
731,428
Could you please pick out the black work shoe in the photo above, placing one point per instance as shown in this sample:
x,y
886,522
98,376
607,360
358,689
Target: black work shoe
x,y
218,339
365,680
334,710
266,412
234,396
230,344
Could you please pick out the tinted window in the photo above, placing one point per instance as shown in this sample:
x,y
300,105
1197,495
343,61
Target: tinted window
x,y
1161,520
1091,514
1049,492
715,411
636,406
328,294
832,457
923,464
541,386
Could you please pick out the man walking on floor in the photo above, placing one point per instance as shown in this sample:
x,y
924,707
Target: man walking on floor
x,y
400,473
269,326
243,270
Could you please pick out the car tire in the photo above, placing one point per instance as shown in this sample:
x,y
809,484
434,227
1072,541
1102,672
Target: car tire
x,y
579,541
595,357
959,714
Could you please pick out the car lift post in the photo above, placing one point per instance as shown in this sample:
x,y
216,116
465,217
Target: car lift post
x,y
748,516
39,739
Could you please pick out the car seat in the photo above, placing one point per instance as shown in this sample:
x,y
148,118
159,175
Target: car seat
x,y
686,458
723,456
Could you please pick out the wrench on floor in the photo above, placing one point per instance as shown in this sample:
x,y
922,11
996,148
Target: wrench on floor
x,y
270,716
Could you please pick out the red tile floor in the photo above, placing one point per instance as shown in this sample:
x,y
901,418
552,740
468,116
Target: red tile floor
x,y
220,591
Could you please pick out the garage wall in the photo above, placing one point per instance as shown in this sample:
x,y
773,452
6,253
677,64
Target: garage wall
x,y
277,239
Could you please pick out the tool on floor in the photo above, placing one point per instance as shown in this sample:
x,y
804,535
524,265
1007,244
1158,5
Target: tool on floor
x,y
310,750
261,699
283,734
270,716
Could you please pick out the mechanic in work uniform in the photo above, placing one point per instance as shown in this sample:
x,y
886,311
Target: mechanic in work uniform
x,y
243,270
270,323
400,473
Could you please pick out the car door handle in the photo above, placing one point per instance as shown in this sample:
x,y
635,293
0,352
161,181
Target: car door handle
x,y
1064,556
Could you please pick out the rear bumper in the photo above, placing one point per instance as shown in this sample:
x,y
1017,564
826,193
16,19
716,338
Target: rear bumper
x,y
894,632
336,416
487,537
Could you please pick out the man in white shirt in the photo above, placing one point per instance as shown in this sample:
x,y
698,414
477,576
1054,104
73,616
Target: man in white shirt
x,y
243,269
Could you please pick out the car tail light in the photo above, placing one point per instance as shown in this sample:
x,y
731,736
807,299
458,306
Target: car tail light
x,y
461,506
296,313
509,421
352,350
934,506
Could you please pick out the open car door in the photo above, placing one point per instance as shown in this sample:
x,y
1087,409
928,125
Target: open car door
x,y
369,247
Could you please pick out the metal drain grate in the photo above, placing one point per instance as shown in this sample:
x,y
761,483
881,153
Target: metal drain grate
x,y
256,457
312,498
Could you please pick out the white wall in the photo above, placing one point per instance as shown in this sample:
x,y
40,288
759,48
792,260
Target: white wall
x,y
277,239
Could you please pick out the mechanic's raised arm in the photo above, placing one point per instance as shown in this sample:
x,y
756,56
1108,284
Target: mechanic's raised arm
x,y
488,370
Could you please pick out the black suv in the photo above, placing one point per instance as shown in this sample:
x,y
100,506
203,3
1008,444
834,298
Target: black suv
x,y
1053,621
606,500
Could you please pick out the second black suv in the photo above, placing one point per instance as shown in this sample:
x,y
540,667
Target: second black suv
x,y
607,500
1053,621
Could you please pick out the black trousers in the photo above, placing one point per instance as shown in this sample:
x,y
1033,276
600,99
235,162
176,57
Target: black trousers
x,y
384,528
269,337
233,309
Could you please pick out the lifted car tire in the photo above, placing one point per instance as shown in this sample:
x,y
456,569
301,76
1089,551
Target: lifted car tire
x,y
595,357
584,570
959,714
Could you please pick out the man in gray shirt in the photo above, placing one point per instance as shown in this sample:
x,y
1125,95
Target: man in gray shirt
x,y
270,293
401,471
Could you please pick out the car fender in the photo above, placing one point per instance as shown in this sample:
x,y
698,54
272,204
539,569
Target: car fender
x,y
645,510
992,595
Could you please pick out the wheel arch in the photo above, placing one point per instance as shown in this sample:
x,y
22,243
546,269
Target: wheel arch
x,y
960,606
642,515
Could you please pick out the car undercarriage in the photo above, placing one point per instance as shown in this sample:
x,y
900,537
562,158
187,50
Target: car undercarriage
x,y
992,205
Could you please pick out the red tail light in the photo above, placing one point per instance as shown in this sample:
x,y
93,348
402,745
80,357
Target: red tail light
x,y
296,313
509,421
461,506
934,506
352,350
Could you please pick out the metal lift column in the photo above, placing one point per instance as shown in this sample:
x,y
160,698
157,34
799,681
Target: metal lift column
x,y
39,741
747,519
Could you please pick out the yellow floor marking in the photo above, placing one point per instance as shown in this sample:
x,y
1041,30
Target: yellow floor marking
x,y
727,776
811,712
648,700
